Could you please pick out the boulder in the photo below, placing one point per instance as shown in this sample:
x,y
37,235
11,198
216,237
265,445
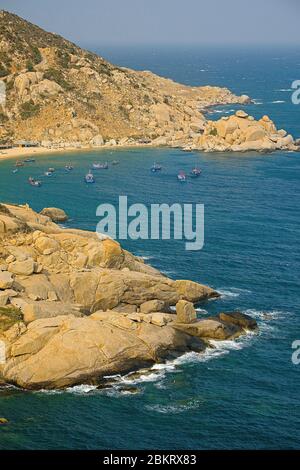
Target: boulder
x,y
46,245
125,308
241,114
159,319
185,312
194,292
3,299
24,268
37,287
6,280
254,133
152,306
55,214
211,328
38,310
239,319
245,99
97,141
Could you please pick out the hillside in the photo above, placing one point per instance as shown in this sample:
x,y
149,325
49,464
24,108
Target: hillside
x,y
58,93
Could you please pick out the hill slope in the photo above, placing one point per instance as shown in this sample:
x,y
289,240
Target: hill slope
x,y
58,93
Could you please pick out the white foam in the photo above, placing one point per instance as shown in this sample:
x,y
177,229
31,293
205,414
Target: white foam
x,y
81,389
227,293
177,407
202,311
264,314
277,101
232,292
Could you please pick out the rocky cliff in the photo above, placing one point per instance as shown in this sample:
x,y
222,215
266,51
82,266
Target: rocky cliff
x,y
58,93
75,307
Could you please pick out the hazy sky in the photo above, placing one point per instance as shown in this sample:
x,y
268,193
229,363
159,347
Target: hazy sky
x,y
96,22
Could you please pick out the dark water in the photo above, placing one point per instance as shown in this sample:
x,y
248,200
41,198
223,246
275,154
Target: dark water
x,y
241,395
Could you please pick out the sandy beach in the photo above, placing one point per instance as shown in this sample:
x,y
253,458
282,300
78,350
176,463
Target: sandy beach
x,y
40,151
36,151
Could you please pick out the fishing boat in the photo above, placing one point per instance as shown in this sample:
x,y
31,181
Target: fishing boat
x,y
156,167
115,162
19,163
89,178
100,166
195,172
34,182
29,160
51,170
15,170
181,176
69,167
48,173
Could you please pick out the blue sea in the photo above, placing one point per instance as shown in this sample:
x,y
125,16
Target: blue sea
x,y
241,395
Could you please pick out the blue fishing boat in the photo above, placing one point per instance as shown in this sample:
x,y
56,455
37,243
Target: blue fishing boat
x,y
195,172
89,178
34,182
100,166
156,167
181,176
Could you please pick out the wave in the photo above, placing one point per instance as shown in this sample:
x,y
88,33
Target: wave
x,y
285,90
81,389
232,292
202,311
257,101
264,314
278,102
177,407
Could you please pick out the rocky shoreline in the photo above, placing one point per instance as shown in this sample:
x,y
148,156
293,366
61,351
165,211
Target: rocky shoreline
x,y
75,308
61,97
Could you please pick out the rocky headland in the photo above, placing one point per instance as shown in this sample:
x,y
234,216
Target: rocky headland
x,y
60,96
75,307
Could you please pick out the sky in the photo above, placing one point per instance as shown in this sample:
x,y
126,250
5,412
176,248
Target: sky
x,y
165,22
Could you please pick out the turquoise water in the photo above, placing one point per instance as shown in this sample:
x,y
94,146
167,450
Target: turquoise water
x,y
241,395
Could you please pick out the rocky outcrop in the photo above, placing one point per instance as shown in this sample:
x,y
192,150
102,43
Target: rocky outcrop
x,y
75,307
55,214
220,327
242,133
46,263
64,351
62,95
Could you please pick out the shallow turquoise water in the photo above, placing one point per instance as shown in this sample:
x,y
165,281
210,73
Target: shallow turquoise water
x,y
244,395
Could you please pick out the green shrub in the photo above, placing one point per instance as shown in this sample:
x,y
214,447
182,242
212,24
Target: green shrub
x,y
29,66
3,71
3,118
214,132
63,59
9,316
57,76
29,109
36,55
